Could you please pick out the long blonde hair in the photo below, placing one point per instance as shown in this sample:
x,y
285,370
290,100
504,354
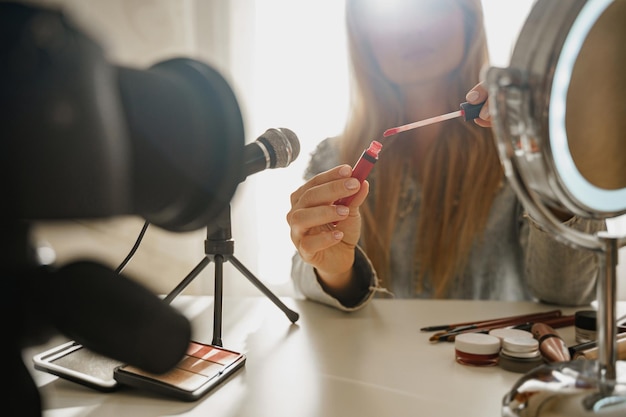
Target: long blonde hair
x,y
464,158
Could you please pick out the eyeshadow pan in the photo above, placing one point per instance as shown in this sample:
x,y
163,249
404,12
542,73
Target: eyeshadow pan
x,y
215,355
193,348
200,366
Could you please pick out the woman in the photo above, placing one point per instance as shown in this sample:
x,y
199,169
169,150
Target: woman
x,y
436,218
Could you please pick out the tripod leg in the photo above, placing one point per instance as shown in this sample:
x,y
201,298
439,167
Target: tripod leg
x,y
187,280
217,307
291,315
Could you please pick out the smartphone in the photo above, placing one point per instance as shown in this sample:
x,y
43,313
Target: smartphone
x,y
74,362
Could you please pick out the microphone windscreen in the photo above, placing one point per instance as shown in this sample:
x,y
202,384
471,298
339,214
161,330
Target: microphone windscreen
x,y
115,316
187,136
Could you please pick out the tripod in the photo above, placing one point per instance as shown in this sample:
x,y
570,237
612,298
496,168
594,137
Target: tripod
x,y
219,248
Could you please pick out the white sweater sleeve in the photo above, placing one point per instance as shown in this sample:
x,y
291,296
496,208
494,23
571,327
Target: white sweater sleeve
x,y
306,282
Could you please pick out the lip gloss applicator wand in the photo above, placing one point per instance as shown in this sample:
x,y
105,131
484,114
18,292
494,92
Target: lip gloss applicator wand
x,y
369,157
468,112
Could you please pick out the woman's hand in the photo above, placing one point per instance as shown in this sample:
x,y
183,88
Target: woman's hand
x,y
326,234
476,95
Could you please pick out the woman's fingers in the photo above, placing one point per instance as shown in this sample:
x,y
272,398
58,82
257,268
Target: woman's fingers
x,y
310,245
325,194
335,174
303,220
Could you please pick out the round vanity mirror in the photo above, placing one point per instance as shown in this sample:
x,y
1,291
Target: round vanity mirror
x,y
559,117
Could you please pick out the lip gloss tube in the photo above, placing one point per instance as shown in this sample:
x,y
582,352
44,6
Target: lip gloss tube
x,y
362,168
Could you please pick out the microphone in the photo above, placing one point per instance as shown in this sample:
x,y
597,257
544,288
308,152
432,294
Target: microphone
x,y
111,315
276,148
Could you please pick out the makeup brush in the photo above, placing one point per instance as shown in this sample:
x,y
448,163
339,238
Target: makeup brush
x,y
522,318
555,321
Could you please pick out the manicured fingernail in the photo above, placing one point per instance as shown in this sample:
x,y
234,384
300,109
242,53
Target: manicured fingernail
x,y
352,184
344,171
338,235
472,96
343,210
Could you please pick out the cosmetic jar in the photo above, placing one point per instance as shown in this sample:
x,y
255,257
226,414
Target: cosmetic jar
x,y
476,349
520,354
585,326
508,332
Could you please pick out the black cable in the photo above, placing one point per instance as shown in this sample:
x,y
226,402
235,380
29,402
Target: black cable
x,y
130,255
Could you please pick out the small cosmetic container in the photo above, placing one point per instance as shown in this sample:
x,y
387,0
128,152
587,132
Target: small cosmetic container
x,y
520,354
508,332
476,349
585,326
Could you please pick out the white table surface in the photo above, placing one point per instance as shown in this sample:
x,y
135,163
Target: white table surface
x,y
374,362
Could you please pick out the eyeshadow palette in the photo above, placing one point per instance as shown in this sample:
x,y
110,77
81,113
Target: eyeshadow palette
x,y
202,368
76,363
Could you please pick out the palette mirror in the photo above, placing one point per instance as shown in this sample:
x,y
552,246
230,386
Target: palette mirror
x,y
559,118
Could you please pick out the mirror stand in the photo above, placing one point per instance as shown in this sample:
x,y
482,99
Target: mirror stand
x,y
580,387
